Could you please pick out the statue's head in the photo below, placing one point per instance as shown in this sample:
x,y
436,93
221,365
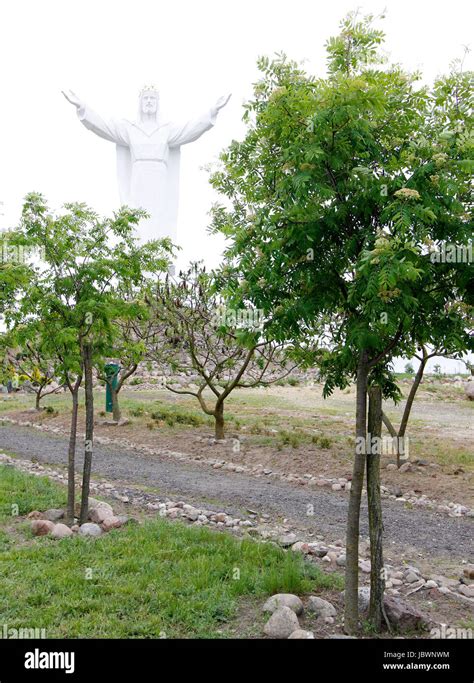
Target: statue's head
x,y
149,101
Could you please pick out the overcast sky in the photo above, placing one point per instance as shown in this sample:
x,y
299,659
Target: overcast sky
x,y
106,50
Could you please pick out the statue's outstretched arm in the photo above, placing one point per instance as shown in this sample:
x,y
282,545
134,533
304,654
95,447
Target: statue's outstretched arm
x,y
194,128
114,131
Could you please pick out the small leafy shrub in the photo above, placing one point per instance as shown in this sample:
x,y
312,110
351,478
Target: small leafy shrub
x,y
293,381
172,417
292,439
321,441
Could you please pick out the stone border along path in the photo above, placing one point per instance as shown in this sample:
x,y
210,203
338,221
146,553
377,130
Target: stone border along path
x,y
404,579
335,484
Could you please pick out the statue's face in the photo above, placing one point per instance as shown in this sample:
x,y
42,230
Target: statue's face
x,y
149,102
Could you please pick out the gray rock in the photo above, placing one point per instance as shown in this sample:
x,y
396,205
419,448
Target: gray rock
x,y
300,547
90,529
100,513
322,608
399,613
467,591
469,389
411,577
403,615
318,550
287,540
54,514
283,600
282,623
445,581
125,520
191,512
341,636
301,634
93,503
364,598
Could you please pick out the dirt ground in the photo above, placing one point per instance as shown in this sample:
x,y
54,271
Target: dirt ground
x,y
293,430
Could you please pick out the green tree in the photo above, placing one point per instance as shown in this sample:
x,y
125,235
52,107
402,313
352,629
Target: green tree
x,y
75,294
334,198
25,352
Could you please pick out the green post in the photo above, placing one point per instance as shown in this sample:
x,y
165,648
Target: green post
x,y
111,370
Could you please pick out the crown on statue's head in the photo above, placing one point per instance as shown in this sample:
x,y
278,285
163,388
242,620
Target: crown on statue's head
x,y
149,88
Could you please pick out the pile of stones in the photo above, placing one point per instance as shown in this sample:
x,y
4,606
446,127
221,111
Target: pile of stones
x,y
101,519
285,609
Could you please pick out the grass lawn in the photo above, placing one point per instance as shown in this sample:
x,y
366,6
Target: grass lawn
x,y
156,579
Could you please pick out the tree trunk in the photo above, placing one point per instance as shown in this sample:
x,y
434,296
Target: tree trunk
x,y
351,614
401,450
89,395
37,400
377,578
219,417
400,435
71,458
116,412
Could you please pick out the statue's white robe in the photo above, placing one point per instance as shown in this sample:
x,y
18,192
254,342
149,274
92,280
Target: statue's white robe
x,y
148,165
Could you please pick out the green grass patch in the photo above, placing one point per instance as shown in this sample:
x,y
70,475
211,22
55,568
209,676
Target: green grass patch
x,y
21,493
160,578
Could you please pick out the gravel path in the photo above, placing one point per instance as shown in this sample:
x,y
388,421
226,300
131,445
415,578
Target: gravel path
x,y
423,532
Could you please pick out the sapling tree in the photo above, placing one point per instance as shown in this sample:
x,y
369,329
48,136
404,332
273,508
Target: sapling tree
x,y
218,349
423,355
334,199
24,350
75,292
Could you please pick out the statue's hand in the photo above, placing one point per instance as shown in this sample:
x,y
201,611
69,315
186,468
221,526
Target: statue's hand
x,y
222,101
72,98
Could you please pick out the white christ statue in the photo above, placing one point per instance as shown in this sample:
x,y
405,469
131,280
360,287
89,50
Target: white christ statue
x,y
148,157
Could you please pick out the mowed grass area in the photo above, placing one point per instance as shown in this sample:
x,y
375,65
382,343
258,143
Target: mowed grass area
x,y
156,579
